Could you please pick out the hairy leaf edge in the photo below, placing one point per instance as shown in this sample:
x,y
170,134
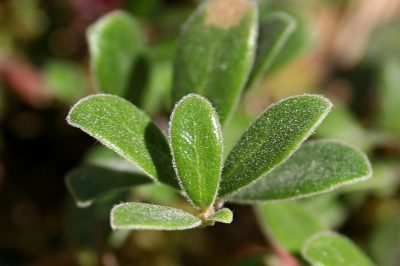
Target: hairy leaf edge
x,y
296,147
331,188
213,219
171,148
100,139
160,228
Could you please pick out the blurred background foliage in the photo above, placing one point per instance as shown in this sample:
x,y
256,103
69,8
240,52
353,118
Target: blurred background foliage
x,y
348,50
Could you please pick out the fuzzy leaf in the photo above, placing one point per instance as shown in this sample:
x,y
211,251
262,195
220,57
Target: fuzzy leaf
x,y
196,144
128,216
330,249
122,127
271,139
115,44
224,215
90,182
274,32
288,223
318,166
215,53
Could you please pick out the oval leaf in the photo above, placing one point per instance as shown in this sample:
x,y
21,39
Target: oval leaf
x,y
318,166
91,182
215,53
288,223
330,249
196,144
115,44
128,216
122,127
274,31
271,139
224,215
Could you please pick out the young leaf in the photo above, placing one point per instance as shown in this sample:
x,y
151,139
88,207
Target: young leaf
x,y
224,215
271,139
196,144
90,182
215,53
274,31
330,249
115,43
128,216
122,127
318,166
288,223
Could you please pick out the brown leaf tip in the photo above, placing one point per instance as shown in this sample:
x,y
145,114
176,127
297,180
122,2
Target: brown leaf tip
x,y
226,14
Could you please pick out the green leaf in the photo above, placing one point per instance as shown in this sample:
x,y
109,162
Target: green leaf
x,y
115,44
317,167
65,80
330,249
90,182
215,53
224,215
128,216
271,139
125,129
196,144
288,223
274,32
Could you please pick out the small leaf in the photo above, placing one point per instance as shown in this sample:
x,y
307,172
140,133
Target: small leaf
x,y
274,31
330,249
115,44
129,216
125,129
215,53
196,144
317,167
271,139
90,182
224,215
288,223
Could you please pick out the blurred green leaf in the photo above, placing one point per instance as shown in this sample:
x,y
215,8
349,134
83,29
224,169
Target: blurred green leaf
x,y
271,139
128,131
328,208
90,182
318,166
224,215
274,32
65,80
196,143
288,223
389,96
130,216
385,241
300,40
115,44
235,129
102,156
215,53
157,94
330,249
